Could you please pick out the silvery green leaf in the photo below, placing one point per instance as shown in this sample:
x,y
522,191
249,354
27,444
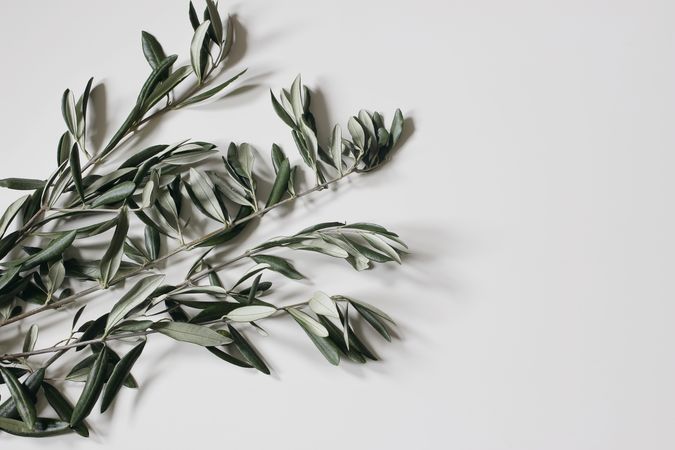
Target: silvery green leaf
x,y
232,190
192,333
211,92
106,179
110,263
321,246
291,181
356,130
246,157
22,184
356,259
152,49
216,21
323,305
250,313
198,65
281,111
30,339
149,193
216,291
228,38
367,123
188,157
379,244
278,156
296,99
116,194
278,264
311,143
54,250
55,276
308,323
69,112
280,184
396,127
203,190
152,242
336,148
164,87
10,213
133,298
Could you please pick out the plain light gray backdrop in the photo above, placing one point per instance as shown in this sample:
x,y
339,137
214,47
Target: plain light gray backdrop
x,y
536,193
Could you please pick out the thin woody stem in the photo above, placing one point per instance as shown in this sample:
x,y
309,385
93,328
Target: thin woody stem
x,y
72,298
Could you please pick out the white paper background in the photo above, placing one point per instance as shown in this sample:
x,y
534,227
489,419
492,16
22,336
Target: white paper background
x,y
535,191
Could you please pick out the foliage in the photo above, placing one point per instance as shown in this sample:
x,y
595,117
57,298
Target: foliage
x,y
157,192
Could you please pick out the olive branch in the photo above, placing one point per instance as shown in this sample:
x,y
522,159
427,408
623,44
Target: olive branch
x,y
159,189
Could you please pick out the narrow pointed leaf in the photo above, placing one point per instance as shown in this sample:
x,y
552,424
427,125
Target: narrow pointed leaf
x,y
134,297
308,323
24,404
119,374
53,251
248,351
192,333
92,389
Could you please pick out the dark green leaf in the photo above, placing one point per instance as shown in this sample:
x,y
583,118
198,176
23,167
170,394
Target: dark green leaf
x,y
152,242
62,407
53,251
92,389
278,264
152,49
229,358
110,263
247,350
119,374
24,404
43,427
32,384
116,194
280,183
192,333
22,184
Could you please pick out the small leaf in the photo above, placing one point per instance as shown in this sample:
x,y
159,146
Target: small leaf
x,y
43,427
211,92
92,389
229,358
308,323
192,333
396,127
69,112
11,213
247,350
323,305
53,251
133,298
24,404
216,21
22,184
119,374
30,339
196,59
116,194
336,148
281,112
280,184
278,264
204,194
152,242
76,171
250,313
110,263
152,49
62,407
358,135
